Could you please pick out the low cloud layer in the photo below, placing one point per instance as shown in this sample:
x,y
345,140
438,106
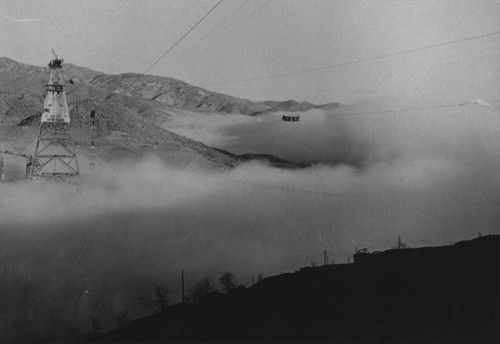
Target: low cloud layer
x,y
98,247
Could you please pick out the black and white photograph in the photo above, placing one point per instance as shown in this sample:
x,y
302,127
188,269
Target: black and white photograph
x,y
249,171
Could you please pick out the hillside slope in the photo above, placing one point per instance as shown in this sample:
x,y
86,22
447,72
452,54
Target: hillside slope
x,y
131,117
118,127
23,78
120,130
441,294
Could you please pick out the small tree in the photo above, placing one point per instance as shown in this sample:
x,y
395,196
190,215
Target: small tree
x,y
260,277
161,299
202,288
123,318
96,326
227,281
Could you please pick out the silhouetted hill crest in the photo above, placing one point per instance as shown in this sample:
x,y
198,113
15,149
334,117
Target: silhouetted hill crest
x,y
440,294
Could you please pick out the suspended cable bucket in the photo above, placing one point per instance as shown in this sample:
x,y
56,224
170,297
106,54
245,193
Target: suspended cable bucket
x,y
290,118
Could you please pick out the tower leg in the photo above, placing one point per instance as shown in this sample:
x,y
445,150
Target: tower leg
x,y
55,155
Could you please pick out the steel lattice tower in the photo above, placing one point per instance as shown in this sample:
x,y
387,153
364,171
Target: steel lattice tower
x,y
55,153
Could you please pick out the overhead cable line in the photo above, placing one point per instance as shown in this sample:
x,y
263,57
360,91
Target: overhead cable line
x,y
399,99
403,52
393,74
169,50
328,194
413,108
210,32
31,72
182,16
237,26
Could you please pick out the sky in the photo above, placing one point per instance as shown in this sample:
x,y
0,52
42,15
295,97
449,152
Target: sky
x,y
242,40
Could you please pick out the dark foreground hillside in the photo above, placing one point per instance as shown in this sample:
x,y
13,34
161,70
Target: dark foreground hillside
x,y
434,294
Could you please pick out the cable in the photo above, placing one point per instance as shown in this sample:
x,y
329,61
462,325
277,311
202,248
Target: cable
x,y
182,16
411,109
390,75
395,100
240,24
210,32
170,49
228,178
352,62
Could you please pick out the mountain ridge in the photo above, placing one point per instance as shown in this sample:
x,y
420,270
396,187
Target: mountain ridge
x,y
133,106
165,90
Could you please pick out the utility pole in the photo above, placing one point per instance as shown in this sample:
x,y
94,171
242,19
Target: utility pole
x,y
401,244
182,284
2,174
92,155
93,129
325,258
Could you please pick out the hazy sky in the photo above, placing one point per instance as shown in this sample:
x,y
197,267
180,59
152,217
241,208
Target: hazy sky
x,y
260,38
